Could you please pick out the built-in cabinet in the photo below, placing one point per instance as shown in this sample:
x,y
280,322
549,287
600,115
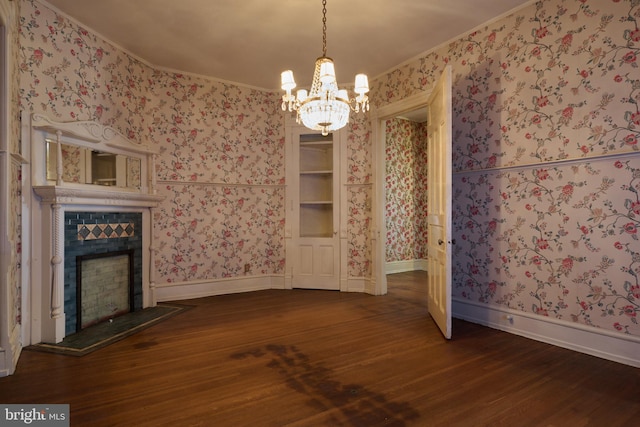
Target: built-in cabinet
x,y
316,180
313,208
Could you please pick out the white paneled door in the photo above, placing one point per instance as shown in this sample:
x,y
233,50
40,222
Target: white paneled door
x,y
439,204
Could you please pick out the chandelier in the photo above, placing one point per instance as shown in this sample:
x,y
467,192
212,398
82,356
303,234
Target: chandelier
x,y
325,108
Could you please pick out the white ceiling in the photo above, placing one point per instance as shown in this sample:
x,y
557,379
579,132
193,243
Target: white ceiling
x,y
251,41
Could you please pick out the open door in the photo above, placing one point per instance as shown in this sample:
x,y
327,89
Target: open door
x,y
439,203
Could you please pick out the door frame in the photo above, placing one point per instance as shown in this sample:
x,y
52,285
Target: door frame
x,y
379,116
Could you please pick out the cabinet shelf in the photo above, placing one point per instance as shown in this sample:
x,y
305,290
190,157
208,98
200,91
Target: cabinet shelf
x,y
316,176
315,144
316,172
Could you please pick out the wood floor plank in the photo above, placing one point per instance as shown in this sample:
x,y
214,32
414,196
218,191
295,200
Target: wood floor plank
x,y
324,358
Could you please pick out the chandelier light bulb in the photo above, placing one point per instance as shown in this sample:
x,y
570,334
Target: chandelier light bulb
x,y
287,81
362,84
302,95
327,72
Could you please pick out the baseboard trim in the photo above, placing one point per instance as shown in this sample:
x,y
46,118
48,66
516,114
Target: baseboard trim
x,y
205,288
4,370
356,284
407,265
9,359
620,348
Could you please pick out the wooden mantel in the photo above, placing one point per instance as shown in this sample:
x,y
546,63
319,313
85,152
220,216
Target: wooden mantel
x,y
52,196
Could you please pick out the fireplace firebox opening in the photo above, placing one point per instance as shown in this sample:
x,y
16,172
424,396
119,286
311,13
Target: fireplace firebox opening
x,y
104,286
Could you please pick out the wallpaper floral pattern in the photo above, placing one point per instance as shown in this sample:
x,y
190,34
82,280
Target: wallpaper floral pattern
x,y
221,166
557,241
212,232
359,230
359,196
72,157
70,74
546,128
221,161
406,190
14,186
15,230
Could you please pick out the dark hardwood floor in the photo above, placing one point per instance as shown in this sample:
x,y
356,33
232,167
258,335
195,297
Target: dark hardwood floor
x,y
323,358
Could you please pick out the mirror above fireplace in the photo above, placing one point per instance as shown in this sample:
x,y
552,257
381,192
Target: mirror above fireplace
x,y
83,165
82,154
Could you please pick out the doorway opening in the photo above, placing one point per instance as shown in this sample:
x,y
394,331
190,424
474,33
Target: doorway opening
x,y
406,169
395,197
439,197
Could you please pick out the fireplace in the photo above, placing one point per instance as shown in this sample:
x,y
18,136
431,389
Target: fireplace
x,y
104,287
111,243
77,217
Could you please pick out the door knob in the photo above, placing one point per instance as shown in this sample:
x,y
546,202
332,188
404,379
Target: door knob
x,y
441,242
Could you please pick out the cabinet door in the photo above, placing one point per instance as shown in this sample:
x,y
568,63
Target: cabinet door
x,y
314,253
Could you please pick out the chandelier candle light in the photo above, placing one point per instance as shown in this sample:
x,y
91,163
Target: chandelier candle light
x,y
325,108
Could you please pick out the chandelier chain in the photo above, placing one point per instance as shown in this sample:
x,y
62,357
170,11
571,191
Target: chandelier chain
x,y
324,27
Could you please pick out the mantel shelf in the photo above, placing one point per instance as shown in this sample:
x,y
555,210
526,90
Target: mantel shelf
x,y
81,195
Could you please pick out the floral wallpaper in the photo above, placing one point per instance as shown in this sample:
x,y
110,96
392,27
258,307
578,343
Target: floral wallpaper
x,y
221,161
359,196
406,190
11,184
72,162
562,87
359,230
545,134
558,241
212,232
14,185
134,171
15,230
221,166
70,74
546,128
